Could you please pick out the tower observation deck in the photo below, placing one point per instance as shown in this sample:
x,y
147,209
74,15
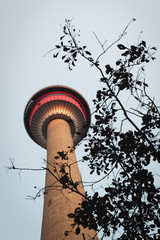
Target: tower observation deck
x,y
57,117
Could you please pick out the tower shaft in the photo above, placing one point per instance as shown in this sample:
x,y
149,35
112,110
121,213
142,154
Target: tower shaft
x,y
57,117
59,202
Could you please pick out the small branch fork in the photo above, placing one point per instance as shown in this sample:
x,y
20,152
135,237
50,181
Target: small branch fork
x,y
117,40
55,169
55,173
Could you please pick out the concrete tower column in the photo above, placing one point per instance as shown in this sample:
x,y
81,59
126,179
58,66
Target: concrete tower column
x,y
57,117
57,202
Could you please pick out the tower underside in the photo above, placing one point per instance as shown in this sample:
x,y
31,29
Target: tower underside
x,y
56,102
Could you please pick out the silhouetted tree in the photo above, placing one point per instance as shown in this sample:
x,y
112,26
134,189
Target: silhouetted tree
x,y
122,143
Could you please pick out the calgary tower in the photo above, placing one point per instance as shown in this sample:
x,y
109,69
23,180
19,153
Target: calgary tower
x,y
57,118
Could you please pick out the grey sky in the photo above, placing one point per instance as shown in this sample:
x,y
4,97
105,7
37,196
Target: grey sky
x,y
30,28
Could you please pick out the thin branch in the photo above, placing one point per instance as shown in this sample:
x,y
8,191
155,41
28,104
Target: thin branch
x,y
119,38
49,51
133,113
102,45
95,182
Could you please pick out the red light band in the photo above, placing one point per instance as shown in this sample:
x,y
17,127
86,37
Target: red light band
x,y
60,92
54,98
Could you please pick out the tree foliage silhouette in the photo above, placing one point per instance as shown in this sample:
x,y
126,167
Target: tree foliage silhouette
x,y
122,143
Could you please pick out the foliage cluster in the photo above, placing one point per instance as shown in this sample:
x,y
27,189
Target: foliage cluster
x,y
129,208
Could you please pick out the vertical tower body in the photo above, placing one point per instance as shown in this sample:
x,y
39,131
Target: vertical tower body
x,y
57,118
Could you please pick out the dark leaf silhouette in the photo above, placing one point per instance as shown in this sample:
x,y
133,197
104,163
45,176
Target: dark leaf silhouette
x,y
87,52
77,230
121,47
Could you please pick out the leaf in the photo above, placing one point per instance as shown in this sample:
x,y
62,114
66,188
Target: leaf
x,y
121,47
139,83
97,117
143,43
151,135
55,55
66,49
66,233
57,46
125,53
118,63
92,172
152,226
98,171
77,231
74,54
73,64
67,60
71,215
103,79
85,158
122,173
108,69
87,52
62,38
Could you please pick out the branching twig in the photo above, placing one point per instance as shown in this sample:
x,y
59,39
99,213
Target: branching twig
x,y
117,40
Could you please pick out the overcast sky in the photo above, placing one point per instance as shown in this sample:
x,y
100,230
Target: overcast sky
x,y
30,28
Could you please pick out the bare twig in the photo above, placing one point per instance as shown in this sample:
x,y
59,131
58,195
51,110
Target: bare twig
x,y
117,40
